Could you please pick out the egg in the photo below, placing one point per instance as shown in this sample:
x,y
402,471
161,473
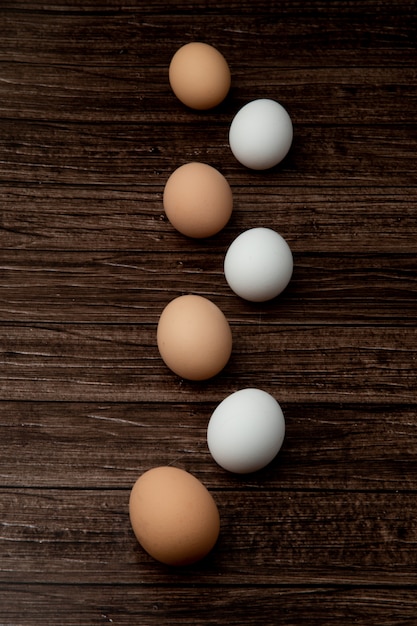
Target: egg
x,y
194,337
246,431
197,200
199,75
258,264
261,134
173,516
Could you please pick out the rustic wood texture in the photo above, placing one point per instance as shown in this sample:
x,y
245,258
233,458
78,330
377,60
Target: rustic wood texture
x,y
89,133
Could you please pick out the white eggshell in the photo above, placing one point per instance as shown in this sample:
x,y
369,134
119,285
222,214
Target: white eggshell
x,y
258,264
246,431
261,134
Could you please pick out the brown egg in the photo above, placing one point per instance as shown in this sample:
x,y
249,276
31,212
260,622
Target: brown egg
x,y
194,337
173,516
197,200
199,75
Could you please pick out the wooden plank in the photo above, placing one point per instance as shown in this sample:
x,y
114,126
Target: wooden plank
x,y
313,219
112,287
68,445
371,95
291,34
116,154
122,363
37,604
84,536
289,7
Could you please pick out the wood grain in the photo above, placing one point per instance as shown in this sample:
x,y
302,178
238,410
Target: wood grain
x,y
114,287
73,444
90,131
361,220
188,604
295,535
121,362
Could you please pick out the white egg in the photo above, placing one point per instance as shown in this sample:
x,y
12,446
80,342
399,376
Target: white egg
x,y
261,134
246,431
258,264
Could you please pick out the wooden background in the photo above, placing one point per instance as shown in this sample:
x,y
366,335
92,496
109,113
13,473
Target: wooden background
x,y
89,133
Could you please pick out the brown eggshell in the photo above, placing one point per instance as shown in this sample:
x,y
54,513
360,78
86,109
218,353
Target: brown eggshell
x,y
199,75
194,337
197,200
173,516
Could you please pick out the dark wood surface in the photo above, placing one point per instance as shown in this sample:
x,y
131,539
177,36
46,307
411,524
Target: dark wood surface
x,y
89,133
